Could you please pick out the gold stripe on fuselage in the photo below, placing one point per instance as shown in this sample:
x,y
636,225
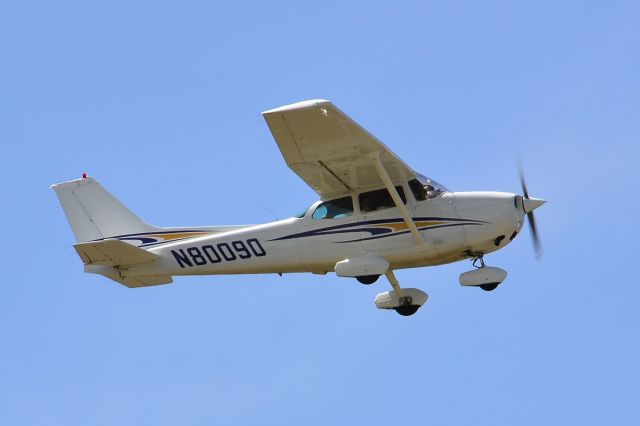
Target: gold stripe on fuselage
x,y
175,236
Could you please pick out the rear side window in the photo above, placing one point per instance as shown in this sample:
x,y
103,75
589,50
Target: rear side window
x,y
340,207
378,200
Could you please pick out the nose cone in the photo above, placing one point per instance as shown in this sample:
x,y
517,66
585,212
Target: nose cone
x,y
530,204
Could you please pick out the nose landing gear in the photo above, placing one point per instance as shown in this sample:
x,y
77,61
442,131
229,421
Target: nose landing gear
x,y
488,286
479,258
487,278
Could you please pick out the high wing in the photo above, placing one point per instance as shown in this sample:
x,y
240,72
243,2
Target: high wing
x,y
329,150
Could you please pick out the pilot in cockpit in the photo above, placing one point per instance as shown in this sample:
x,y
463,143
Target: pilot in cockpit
x,y
431,191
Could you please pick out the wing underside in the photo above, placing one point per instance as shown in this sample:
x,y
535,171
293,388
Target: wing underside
x,y
330,151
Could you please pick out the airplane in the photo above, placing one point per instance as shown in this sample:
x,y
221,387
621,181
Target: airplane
x,y
375,215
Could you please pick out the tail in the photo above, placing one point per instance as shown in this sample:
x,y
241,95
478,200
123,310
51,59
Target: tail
x,y
95,217
94,213
111,238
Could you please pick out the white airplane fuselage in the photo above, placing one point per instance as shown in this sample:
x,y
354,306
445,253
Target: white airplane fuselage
x,y
454,226
376,215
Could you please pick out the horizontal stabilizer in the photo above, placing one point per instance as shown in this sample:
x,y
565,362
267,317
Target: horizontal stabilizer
x,y
112,253
115,274
145,281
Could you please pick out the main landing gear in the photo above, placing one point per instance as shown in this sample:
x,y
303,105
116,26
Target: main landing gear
x,y
367,279
405,301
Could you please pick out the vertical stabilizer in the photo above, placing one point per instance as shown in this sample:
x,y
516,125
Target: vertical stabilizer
x,y
94,213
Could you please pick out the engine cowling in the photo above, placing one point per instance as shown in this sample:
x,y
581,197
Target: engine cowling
x,y
483,276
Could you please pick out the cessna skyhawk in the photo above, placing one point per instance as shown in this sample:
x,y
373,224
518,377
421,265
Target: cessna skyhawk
x,y
375,215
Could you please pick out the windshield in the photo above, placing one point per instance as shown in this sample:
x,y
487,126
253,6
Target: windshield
x,y
433,187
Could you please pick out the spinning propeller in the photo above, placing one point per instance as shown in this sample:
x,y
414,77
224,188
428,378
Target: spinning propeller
x,y
528,206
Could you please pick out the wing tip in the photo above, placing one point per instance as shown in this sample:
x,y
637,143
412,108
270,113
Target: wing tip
x,y
298,106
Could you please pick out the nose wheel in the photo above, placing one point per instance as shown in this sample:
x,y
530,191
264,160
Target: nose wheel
x,y
489,287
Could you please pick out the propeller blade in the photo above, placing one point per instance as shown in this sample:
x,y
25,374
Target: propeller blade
x,y
537,245
522,182
529,206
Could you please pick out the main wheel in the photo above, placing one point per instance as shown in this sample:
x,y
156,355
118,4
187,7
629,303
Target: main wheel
x,y
407,310
367,279
489,287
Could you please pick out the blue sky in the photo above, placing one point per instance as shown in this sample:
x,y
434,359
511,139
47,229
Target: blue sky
x,y
161,102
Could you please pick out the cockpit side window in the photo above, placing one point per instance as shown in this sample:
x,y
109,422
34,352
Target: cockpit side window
x,y
379,199
340,207
418,190
432,187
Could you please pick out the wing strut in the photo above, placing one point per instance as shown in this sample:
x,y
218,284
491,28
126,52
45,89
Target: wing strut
x,y
398,201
